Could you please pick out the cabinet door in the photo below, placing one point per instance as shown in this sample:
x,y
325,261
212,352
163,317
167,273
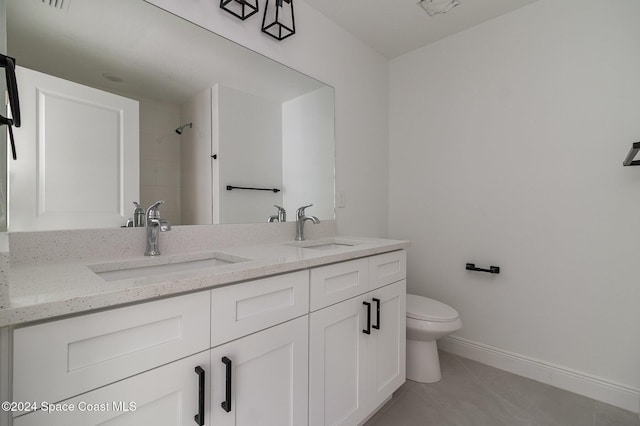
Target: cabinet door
x,y
337,358
268,378
166,396
387,346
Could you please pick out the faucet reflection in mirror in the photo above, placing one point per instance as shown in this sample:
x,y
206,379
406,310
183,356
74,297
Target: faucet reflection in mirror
x,y
138,218
280,217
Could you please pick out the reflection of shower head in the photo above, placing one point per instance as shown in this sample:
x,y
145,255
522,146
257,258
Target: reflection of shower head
x,y
179,129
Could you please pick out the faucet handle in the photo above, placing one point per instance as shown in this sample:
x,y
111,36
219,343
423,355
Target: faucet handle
x,y
280,209
164,225
153,212
155,205
300,211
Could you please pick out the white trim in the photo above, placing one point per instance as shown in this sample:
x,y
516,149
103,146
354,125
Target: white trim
x,y
5,373
600,389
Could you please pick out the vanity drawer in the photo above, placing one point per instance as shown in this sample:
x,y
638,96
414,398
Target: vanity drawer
x,y
387,268
242,309
334,283
59,359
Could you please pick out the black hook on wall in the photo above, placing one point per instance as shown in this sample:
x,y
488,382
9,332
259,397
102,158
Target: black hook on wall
x,y
9,65
629,161
492,269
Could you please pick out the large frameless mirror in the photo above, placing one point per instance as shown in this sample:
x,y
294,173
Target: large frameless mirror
x,y
208,119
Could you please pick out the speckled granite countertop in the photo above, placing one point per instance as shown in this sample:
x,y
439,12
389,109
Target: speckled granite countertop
x,y
50,290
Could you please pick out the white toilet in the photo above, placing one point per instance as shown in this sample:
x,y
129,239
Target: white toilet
x,y
427,320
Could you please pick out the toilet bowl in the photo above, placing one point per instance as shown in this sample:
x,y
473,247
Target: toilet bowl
x,y
427,321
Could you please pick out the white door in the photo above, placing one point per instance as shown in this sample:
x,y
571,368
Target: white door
x,y
166,396
268,378
387,346
78,156
337,364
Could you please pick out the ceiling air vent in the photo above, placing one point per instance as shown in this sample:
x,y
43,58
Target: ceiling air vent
x,y
61,5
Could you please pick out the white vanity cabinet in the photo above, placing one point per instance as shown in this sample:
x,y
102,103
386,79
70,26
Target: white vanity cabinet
x,y
320,346
357,346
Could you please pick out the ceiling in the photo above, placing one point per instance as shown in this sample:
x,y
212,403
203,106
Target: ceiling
x,y
395,27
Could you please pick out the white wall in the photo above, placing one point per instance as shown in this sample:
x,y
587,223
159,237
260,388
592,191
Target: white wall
x,y
506,148
160,158
249,145
308,163
196,175
359,75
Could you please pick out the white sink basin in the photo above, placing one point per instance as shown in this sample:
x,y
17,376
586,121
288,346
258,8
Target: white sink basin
x,y
329,246
125,270
325,244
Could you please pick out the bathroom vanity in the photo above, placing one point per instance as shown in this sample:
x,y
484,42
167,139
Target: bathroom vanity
x,y
287,333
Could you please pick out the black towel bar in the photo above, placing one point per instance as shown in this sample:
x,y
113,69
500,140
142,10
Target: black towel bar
x,y
229,188
492,269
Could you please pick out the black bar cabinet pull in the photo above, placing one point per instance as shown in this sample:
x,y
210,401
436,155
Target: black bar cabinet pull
x,y
377,325
368,329
491,270
226,404
229,188
199,418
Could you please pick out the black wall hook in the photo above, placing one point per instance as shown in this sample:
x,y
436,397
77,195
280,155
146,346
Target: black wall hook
x,y
9,64
491,270
629,161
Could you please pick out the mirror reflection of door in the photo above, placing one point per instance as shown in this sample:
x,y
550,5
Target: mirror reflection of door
x,y
79,162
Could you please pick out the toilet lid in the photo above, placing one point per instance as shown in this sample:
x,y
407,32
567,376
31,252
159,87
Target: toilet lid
x,y
423,308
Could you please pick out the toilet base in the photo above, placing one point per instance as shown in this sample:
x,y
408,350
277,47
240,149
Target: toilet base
x,y
423,363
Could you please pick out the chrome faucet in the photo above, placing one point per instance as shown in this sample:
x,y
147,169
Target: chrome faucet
x,y
137,220
301,218
138,215
155,225
280,217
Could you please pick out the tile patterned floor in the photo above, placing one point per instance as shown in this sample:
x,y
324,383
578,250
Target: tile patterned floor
x,y
473,394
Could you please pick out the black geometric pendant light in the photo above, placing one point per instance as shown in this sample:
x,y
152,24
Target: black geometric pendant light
x,y
240,8
278,20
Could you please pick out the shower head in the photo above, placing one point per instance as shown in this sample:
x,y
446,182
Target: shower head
x,y
179,129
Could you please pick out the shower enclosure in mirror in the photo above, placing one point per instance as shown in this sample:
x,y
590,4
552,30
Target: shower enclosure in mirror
x,y
210,114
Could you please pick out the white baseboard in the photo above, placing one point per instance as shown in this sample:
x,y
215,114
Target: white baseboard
x,y
574,381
